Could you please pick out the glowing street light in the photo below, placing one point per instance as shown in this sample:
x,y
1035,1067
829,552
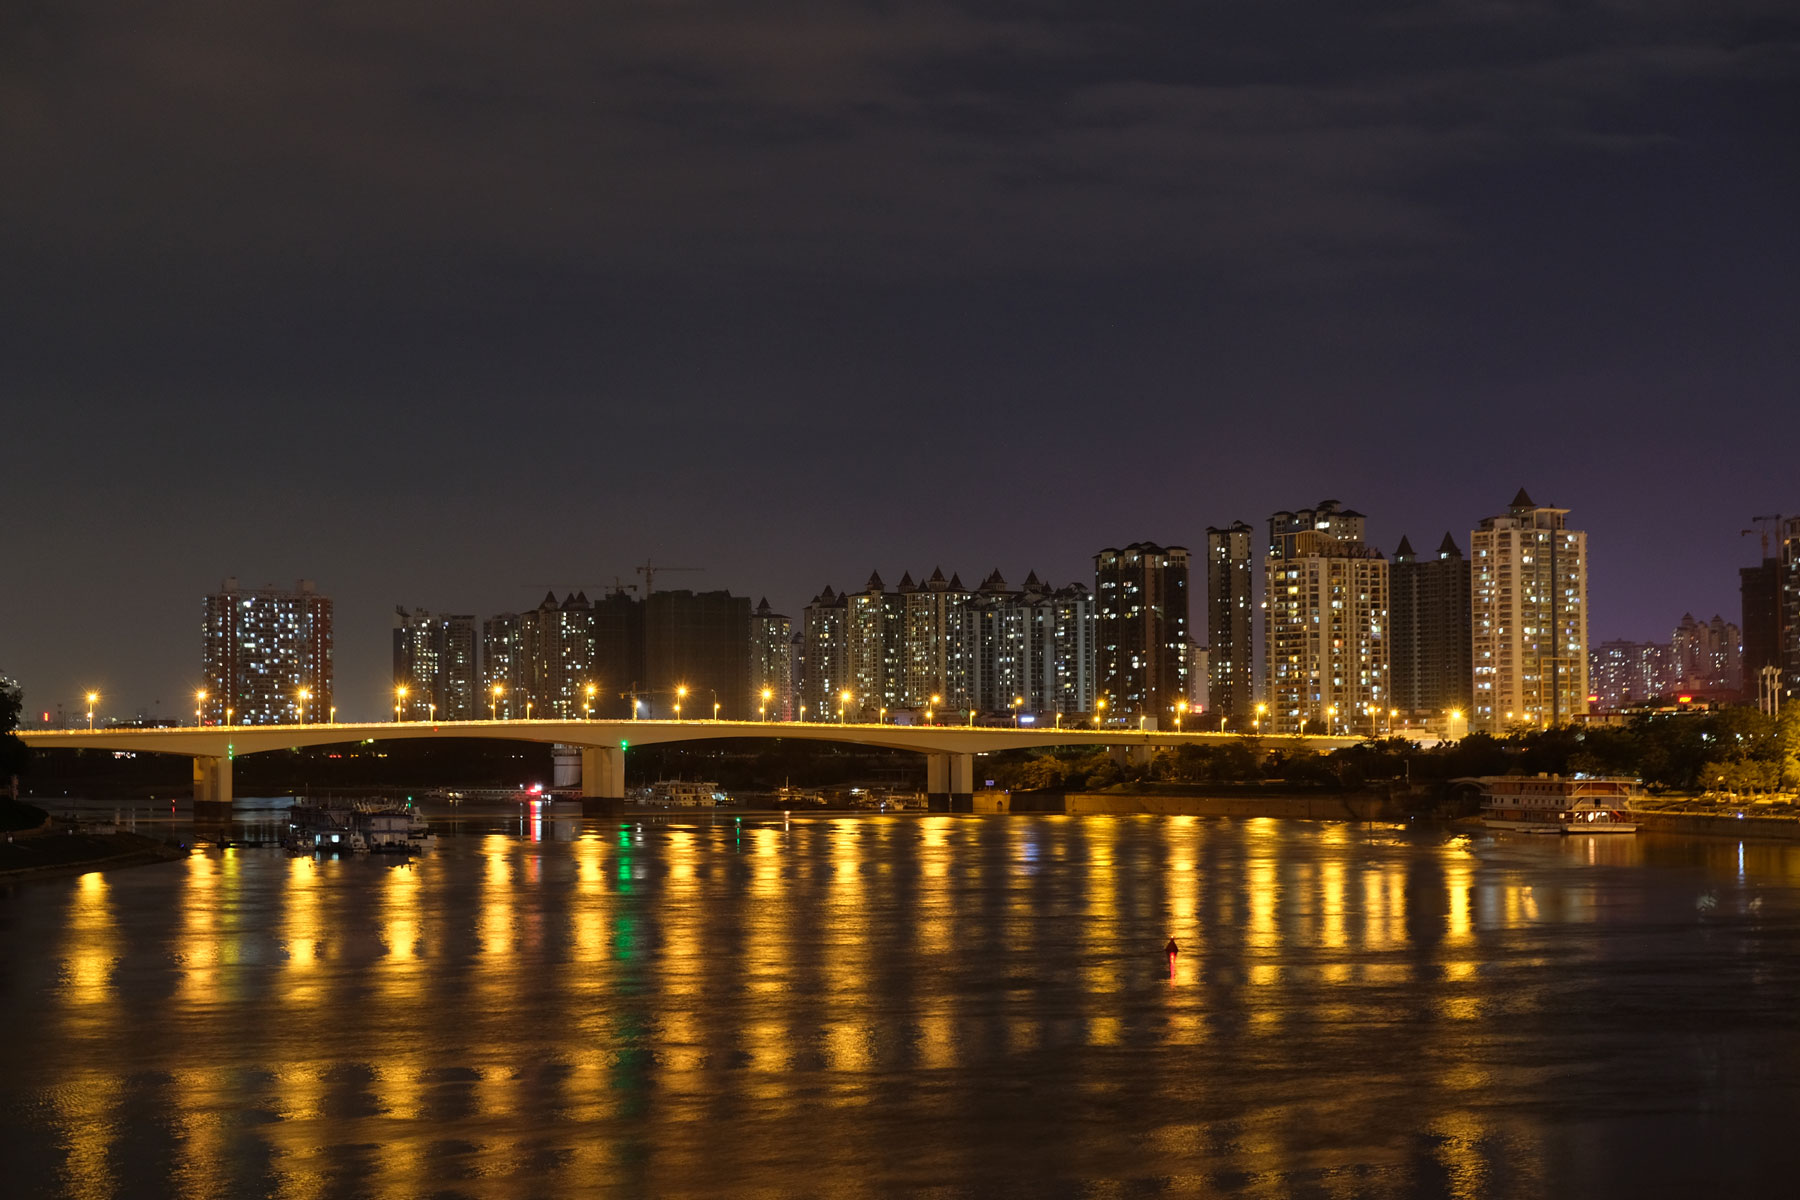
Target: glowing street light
x,y
680,695
715,710
768,694
431,711
494,703
399,703
591,689
1181,708
302,696
1099,711
931,712
93,698
1257,723
228,713
199,705
333,717
803,714
843,703
1017,704
528,710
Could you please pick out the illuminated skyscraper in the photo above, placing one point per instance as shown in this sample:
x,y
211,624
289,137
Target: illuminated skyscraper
x,y
1325,633
434,659
1529,618
1141,630
824,654
261,648
1230,605
771,665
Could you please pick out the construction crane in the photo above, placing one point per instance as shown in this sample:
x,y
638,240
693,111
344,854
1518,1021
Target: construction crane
x,y
649,570
1763,523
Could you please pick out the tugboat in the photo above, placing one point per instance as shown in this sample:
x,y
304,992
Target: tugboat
x,y
1555,805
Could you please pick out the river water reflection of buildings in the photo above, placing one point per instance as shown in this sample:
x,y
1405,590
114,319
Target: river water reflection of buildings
x,y
848,1005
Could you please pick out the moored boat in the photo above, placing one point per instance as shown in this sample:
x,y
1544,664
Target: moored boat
x,y
1554,804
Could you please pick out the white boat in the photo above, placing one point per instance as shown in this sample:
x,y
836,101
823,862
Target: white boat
x,y
684,793
352,828
1553,804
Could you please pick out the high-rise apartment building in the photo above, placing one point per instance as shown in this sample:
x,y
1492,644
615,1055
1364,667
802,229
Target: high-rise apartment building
x,y
699,641
435,661
875,650
1528,612
1429,649
1706,659
1141,629
505,675
824,626
1230,607
771,663
1790,607
1623,674
557,640
266,655
1759,587
1325,632
931,614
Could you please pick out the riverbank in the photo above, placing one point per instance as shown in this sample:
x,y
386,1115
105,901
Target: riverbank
x,y
1310,806
62,851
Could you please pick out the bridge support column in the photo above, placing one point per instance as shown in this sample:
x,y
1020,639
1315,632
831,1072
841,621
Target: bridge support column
x,y
1137,756
212,781
950,782
602,779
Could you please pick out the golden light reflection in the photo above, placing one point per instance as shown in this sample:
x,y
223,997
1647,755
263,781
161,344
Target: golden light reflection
x,y
93,943
86,1112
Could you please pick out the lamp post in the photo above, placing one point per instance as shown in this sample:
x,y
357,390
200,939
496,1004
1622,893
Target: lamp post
x,y
1099,711
768,694
1059,719
843,703
333,717
803,714
680,695
228,713
494,703
302,696
881,717
931,713
1257,723
431,711
1017,704
1331,718
591,689
528,710
199,706
1181,708
92,699
715,710
399,703
971,716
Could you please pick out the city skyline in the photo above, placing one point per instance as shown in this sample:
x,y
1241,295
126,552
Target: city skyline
x,y
365,675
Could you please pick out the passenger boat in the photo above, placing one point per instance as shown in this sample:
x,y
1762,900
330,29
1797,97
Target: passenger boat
x,y
1556,805
683,793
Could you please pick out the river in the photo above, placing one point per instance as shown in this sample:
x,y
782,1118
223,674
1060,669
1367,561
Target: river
x,y
954,1006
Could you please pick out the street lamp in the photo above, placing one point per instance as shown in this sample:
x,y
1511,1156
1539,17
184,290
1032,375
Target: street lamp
x,y
92,699
431,711
591,689
1181,708
1331,718
768,694
332,719
228,713
1099,711
199,705
881,717
715,710
803,714
399,703
931,713
528,710
1018,703
971,716
843,703
680,695
303,695
494,704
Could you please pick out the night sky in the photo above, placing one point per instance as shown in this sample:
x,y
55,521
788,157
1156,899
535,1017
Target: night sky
x,y
441,303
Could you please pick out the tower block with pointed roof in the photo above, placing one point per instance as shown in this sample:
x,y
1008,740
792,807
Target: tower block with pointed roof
x,y
1528,612
771,664
931,613
1428,649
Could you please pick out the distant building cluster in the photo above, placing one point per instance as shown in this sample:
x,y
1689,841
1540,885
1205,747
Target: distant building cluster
x,y
1351,642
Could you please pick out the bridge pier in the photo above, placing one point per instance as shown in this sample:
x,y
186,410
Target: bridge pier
x,y
602,779
950,782
1136,756
212,781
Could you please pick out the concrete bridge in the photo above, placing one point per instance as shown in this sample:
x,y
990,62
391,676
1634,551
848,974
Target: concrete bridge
x,y
950,750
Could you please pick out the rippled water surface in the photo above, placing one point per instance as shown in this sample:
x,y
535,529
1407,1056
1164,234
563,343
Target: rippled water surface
x,y
944,1005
